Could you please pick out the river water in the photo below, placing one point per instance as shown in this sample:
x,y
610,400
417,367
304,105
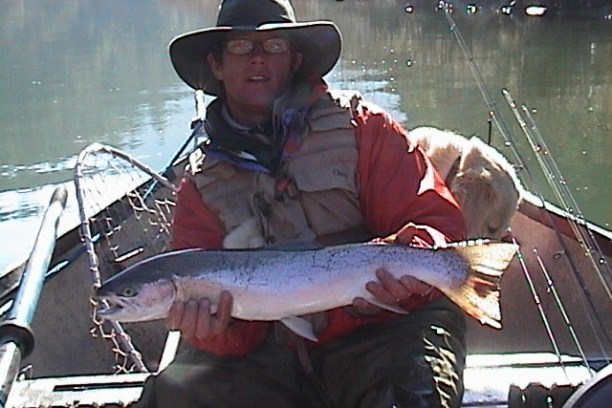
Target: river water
x,y
74,72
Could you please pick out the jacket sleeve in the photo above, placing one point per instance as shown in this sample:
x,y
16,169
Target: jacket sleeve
x,y
400,190
400,194
195,226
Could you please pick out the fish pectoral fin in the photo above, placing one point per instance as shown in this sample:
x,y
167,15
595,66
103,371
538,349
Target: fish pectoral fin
x,y
386,306
300,326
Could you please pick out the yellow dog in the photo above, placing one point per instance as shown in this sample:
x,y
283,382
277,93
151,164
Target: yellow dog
x,y
481,179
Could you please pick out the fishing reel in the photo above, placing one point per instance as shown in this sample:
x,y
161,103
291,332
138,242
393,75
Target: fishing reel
x,y
536,395
594,393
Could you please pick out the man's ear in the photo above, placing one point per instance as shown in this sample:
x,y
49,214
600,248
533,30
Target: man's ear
x,y
296,62
215,66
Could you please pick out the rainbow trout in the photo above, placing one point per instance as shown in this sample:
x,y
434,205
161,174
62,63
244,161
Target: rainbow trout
x,y
284,284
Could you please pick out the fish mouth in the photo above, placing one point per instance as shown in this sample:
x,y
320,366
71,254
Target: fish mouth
x,y
114,308
122,310
110,310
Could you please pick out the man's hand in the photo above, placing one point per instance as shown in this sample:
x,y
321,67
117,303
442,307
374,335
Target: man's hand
x,y
390,290
195,320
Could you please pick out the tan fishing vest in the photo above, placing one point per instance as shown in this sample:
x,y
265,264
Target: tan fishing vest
x,y
321,198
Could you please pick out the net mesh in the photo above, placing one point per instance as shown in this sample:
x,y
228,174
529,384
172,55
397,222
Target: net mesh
x,y
125,211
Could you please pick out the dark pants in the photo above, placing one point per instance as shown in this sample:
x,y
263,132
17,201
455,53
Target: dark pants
x,y
413,361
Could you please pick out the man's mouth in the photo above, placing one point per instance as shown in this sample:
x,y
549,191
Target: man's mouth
x,y
257,78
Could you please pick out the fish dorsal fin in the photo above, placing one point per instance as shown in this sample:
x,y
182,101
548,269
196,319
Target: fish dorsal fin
x,y
300,326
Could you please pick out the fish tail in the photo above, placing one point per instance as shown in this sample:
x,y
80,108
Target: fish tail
x,y
478,295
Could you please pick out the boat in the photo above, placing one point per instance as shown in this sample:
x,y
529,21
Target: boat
x,y
555,300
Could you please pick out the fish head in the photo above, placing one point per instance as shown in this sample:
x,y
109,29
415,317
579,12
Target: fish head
x,y
133,301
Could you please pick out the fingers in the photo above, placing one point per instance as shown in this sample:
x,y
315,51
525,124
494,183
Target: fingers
x,y
416,286
365,308
202,327
195,319
175,315
224,313
387,289
183,316
393,291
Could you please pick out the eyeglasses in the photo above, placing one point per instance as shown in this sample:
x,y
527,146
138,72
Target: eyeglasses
x,y
244,46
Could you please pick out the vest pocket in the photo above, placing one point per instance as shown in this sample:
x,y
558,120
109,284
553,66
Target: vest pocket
x,y
328,170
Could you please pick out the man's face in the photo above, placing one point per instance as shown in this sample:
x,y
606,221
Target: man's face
x,y
254,78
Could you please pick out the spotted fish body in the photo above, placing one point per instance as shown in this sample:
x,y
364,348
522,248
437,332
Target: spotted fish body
x,y
284,284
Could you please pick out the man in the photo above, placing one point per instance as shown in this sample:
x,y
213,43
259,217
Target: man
x,y
288,160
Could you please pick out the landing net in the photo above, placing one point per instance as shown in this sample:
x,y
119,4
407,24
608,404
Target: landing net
x,y
125,211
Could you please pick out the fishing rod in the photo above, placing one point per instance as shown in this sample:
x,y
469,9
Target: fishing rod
x,y
541,311
197,126
551,171
497,119
579,223
561,191
553,290
493,110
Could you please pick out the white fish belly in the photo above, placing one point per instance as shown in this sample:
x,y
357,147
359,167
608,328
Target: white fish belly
x,y
280,301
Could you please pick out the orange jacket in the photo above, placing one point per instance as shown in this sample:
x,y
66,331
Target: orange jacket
x,y
400,193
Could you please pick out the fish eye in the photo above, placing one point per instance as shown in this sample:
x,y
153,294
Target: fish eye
x,y
128,291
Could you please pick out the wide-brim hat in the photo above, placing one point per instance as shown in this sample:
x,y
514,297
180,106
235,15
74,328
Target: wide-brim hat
x,y
319,41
